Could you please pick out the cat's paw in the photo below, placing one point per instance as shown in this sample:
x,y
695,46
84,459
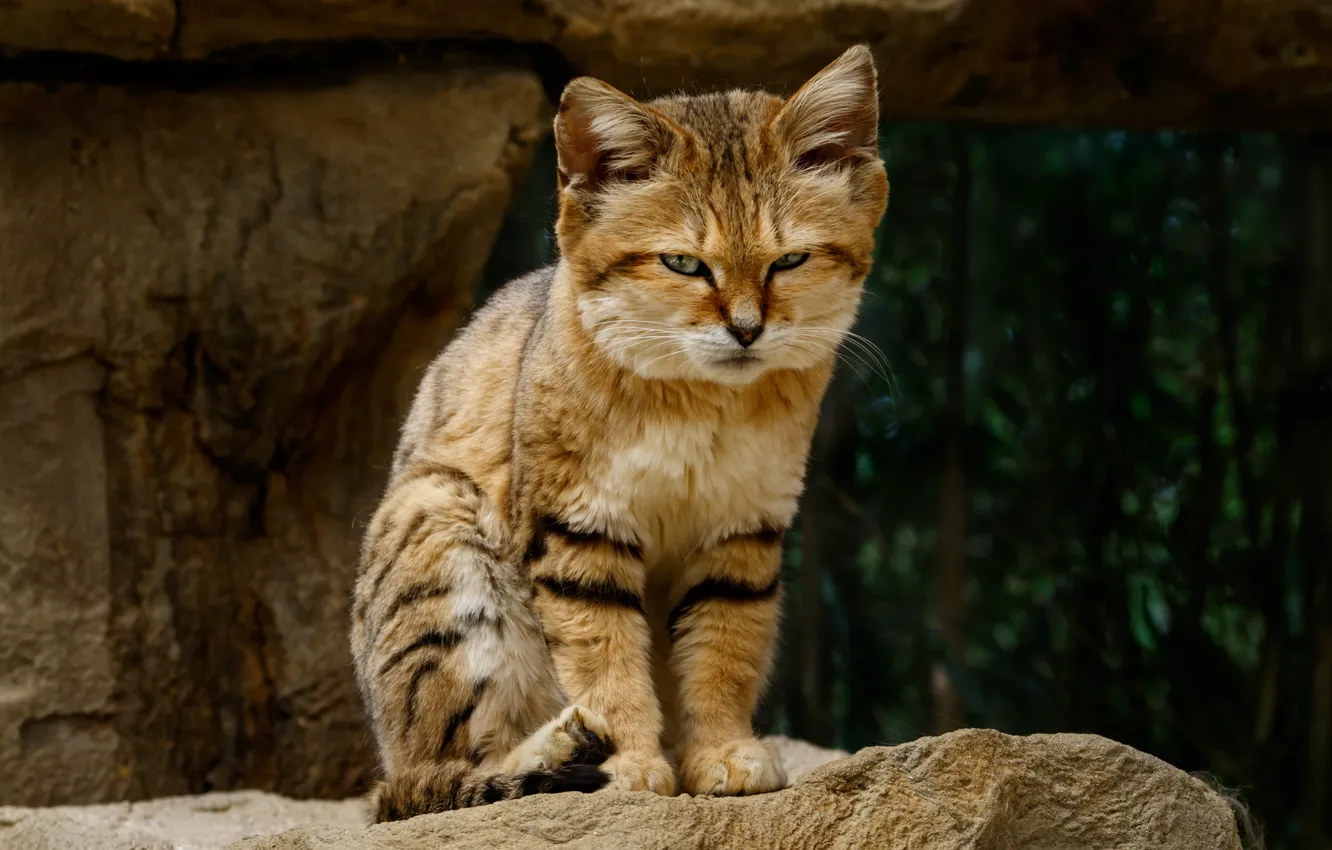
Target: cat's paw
x,y
577,736
640,772
741,767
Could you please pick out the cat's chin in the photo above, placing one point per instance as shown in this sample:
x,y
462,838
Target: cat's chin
x,y
737,370
729,371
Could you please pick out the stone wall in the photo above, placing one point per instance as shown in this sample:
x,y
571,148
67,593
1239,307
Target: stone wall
x,y
212,307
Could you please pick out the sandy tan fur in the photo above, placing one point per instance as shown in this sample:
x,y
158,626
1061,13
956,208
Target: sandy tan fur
x,y
573,579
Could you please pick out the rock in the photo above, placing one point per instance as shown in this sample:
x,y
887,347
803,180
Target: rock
x,y
129,29
213,821
1256,64
204,822
223,24
965,790
212,306
800,757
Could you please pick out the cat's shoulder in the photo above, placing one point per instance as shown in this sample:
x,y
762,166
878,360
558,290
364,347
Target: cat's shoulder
x,y
511,311
526,294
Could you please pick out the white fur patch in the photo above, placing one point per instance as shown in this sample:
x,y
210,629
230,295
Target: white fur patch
x,y
520,688
682,484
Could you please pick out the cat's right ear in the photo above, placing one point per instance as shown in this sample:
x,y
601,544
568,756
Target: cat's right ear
x,y
603,134
834,118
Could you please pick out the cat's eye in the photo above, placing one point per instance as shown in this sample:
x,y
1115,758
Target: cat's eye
x,y
685,264
788,261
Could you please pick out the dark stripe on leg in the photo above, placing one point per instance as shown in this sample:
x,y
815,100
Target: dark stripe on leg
x,y
433,470
425,470
412,528
596,593
766,534
421,590
455,722
446,640
553,525
416,593
475,619
723,589
422,670
461,717
536,547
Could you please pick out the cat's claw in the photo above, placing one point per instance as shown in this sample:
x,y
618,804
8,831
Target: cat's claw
x,y
640,772
740,767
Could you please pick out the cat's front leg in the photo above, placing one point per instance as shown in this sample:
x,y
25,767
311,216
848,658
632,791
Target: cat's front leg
x,y
723,631
589,593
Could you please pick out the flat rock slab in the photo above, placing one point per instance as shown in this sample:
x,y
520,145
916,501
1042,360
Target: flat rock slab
x,y
968,789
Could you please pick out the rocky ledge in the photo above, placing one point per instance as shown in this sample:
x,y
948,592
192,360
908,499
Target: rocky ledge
x,y
967,789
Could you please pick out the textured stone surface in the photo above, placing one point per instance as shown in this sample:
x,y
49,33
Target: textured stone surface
x,y
1245,63
213,821
967,790
205,822
126,28
211,309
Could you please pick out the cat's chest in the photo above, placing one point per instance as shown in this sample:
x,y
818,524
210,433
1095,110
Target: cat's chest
x,y
674,484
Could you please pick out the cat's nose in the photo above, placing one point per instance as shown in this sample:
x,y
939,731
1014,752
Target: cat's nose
x,y
745,334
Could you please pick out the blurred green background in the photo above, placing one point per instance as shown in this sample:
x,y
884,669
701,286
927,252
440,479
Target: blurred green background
x,y
1088,489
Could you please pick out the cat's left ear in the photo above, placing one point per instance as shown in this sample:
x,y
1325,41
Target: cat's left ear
x,y
834,117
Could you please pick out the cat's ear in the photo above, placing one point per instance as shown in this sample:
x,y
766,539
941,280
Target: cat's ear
x,y
834,117
603,134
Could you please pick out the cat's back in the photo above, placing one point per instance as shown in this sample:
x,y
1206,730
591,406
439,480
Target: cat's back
x,y
463,412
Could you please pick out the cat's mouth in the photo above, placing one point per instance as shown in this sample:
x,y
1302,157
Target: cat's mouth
x,y
738,361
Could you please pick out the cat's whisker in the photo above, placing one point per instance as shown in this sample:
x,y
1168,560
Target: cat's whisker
x,y
629,332
871,345
637,336
631,336
635,324
869,352
882,367
850,356
671,353
855,338
615,334
621,346
824,349
651,350
640,322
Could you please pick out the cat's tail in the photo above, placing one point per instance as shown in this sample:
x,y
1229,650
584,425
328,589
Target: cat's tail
x,y
448,785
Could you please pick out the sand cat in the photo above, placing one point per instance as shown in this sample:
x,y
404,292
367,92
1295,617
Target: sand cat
x,y
572,581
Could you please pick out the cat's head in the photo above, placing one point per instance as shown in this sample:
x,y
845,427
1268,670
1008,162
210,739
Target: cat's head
x,y
721,236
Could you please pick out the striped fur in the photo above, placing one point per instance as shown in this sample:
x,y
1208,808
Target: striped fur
x,y
573,574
